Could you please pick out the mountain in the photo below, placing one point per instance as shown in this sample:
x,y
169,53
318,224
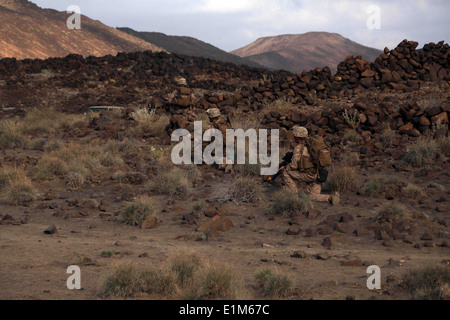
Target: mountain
x,y
28,31
298,52
190,47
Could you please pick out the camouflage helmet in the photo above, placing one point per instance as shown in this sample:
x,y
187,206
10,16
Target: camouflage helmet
x,y
213,112
181,81
300,132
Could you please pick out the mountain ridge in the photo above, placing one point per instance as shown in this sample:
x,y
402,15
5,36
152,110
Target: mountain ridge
x,y
299,52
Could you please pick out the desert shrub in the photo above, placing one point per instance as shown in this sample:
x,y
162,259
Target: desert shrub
x,y
125,281
378,184
412,191
282,105
50,166
429,283
422,152
273,284
342,179
219,282
15,187
352,135
392,211
20,193
10,135
349,159
290,203
174,183
352,120
244,189
108,159
184,267
42,120
387,137
138,211
149,123
444,145
76,177
11,174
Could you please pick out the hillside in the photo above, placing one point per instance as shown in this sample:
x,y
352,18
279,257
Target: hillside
x,y
190,47
28,31
299,52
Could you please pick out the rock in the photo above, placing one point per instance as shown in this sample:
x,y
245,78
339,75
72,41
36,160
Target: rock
x,y
441,118
293,230
313,214
211,211
90,204
216,224
322,256
426,237
50,230
352,263
298,254
149,223
327,243
429,244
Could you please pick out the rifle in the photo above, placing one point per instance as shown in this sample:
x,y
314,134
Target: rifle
x,y
287,158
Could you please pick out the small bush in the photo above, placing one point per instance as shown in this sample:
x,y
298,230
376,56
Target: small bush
x,y
244,189
349,159
342,179
444,146
273,285
42,120
185,266
352,135
10,135
174,183
378,184
281,105
422,152
49,167
125,281
413,191
392,211
138,211
20,193
387,137
429,283
352,120
290,203
11,174
108,159
220,282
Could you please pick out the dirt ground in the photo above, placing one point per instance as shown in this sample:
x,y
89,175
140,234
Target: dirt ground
x,y
33,264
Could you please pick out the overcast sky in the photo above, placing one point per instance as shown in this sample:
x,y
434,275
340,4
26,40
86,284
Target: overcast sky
x,y
231,24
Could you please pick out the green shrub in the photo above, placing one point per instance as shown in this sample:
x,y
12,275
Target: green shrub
x,y
392,211
290,203
342,179
273,285
378,184
429,283
138,211
422,152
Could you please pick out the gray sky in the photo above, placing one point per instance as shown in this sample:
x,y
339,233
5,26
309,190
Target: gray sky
x,y
231,24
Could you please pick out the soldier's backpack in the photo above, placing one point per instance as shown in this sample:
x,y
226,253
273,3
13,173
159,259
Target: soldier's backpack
x,y
320,155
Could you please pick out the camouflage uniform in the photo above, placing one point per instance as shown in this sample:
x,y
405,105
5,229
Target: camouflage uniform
x,y
302,173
